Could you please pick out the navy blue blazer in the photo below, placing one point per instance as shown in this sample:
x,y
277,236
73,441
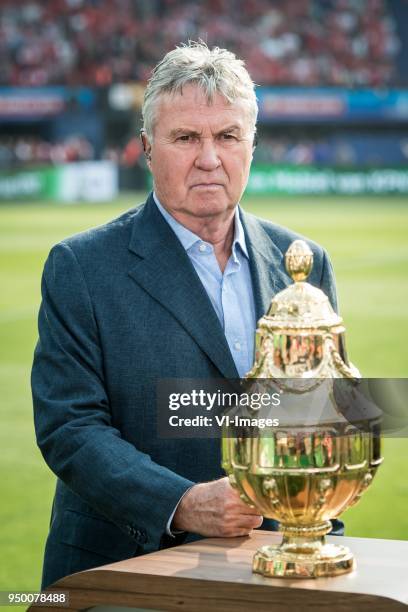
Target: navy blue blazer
x,y
122,307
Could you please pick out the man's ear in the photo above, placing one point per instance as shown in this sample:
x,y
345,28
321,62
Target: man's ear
x,y
146,146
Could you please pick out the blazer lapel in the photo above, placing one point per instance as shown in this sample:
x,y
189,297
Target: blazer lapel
x,y
266,264
164,270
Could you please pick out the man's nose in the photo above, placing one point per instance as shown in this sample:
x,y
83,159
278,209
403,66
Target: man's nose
x,y
207,155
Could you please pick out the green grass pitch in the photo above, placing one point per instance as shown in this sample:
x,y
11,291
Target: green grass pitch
x,y
367,240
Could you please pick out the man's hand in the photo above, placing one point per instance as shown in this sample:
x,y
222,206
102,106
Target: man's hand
x,y
214,509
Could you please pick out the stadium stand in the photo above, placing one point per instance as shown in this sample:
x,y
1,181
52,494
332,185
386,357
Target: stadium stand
x,y
291,46
350,43
30,151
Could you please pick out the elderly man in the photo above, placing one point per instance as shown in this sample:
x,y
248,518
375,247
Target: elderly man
x,y
171,289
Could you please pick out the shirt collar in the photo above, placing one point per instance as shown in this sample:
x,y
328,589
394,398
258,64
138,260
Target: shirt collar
x,y
188,238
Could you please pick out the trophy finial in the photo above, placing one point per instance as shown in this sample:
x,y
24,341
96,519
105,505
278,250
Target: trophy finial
x,y
299,260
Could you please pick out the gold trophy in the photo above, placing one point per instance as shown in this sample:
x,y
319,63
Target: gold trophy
x,y
311,467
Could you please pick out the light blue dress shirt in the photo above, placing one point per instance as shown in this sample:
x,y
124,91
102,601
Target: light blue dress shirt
x,y
230,291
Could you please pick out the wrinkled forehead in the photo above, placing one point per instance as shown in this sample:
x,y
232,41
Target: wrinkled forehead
x,y
192,105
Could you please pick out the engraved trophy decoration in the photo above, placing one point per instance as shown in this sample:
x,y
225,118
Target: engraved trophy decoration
x,y
309,470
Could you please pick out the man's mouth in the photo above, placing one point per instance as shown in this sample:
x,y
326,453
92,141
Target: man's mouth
x,y
207,186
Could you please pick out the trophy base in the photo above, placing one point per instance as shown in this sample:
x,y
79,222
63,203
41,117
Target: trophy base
x,y
327,560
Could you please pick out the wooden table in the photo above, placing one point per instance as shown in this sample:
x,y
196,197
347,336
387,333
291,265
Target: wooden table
x,y
215,574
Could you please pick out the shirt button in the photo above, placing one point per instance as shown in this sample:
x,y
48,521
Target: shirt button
x,y
202,248
237,346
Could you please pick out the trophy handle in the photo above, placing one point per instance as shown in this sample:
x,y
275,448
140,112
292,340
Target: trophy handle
x,y
347,371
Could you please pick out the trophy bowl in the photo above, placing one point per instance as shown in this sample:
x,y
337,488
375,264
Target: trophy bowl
x,y
317,462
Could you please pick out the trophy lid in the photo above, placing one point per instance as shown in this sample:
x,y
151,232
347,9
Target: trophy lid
x,y
301,306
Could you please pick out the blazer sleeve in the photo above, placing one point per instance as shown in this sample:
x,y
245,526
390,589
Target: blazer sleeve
x,y
73,419
328,282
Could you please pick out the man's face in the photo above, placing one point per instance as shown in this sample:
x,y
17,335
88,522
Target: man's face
x,y
200,154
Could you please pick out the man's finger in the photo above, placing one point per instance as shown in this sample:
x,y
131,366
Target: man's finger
x,y
251,522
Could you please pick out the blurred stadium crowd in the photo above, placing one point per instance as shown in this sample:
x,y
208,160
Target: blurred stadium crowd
x,y
347,43
27,151
301,150
32,151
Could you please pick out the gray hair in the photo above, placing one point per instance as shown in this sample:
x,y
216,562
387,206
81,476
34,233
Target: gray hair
x,y
214,70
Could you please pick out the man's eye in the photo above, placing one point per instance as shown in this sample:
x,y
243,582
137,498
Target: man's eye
x,y
228,137
186,138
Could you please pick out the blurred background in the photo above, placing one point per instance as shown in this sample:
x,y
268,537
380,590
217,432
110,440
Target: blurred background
x,y
331,163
